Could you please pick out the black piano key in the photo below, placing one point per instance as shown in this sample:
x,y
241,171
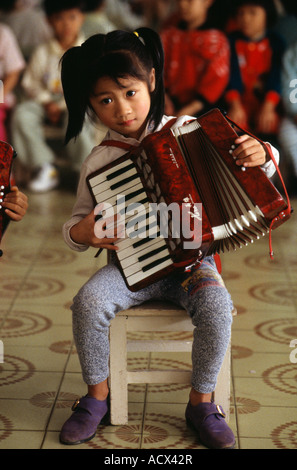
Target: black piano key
x,y
152,253
139,231
124,181
136,219
155,263
120,171
123,210
143,241
127,197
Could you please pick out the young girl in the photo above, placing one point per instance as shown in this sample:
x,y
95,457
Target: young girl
x,y
118,77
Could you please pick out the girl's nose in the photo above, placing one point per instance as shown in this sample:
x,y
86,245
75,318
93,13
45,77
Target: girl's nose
x,y
123,109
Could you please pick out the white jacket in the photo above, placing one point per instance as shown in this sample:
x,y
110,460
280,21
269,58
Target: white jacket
x,y
42,78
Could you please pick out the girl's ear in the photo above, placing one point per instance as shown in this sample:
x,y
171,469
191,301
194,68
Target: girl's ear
x,y
152,80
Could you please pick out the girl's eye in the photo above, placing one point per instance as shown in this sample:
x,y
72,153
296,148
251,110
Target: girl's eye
x,y
106,100
131,93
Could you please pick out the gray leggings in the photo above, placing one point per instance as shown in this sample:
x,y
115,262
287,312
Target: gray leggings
x,y
202,294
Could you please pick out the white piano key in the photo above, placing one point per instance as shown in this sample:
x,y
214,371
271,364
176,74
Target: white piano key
x,y
107,184
139,276
104,176
135,228
113,198
127,187
140,265
126,255
129,242
137,211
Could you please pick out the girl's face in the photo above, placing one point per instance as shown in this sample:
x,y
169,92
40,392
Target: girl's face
x,y
67,25
251,20
194,12
123,107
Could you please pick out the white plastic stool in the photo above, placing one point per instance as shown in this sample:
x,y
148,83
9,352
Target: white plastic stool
x,y
153,317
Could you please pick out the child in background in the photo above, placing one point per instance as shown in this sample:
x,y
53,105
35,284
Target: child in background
x,y
28,23
197,58
11,65
45,101
254,91
96,19
119,77
288,128
122,15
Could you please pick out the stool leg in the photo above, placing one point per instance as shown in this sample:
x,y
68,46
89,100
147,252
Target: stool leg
x,y
118,385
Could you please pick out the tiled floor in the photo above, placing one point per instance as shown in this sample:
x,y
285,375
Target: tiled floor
x,y
40,376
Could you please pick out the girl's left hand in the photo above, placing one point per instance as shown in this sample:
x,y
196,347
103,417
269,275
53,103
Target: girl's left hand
x,y
248,152
15,204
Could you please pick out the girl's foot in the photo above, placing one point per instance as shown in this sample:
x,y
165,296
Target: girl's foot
x,y
82,424
208,420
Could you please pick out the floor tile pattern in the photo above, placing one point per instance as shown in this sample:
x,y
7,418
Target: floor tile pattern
x,y
40,375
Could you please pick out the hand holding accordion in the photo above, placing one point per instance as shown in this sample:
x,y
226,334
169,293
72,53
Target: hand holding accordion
x,y
6,157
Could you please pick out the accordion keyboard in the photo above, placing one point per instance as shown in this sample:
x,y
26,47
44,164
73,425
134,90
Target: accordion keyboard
x,y
143,251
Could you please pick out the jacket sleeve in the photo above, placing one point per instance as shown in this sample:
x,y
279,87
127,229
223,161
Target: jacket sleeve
x,y
82,207
217,70
289,80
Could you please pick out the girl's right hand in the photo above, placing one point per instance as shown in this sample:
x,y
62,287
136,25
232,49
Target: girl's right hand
x,y
94,233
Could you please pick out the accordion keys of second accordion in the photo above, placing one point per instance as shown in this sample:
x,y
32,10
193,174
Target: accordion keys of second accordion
x,y
191,165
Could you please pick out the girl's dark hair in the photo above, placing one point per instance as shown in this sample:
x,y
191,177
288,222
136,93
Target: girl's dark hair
x,y
7,5
268,5
91,5
56,6
117,54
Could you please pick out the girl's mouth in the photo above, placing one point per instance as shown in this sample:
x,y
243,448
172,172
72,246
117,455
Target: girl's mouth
x,y
127,123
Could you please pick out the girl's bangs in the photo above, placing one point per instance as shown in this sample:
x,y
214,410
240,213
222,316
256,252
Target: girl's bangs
x,y
117,65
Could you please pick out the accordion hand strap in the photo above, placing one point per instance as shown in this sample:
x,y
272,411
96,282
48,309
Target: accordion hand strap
x,y
288,210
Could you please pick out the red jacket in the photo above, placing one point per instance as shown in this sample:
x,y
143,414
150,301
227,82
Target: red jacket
x,y
196,64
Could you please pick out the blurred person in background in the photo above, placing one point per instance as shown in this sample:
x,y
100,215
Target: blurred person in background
x,y
45,102
96,18
197,59
28,23
11,65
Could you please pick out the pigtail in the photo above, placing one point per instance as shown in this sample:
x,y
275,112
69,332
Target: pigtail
x,y
78,73
74,91
153,45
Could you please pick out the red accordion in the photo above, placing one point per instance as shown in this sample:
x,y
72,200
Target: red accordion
x,y
7,154
190,166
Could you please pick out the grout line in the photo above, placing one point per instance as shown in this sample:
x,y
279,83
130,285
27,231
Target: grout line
x,y
234,402
57,395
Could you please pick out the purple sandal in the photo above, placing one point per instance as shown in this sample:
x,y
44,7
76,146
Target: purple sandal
x,y
82,424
